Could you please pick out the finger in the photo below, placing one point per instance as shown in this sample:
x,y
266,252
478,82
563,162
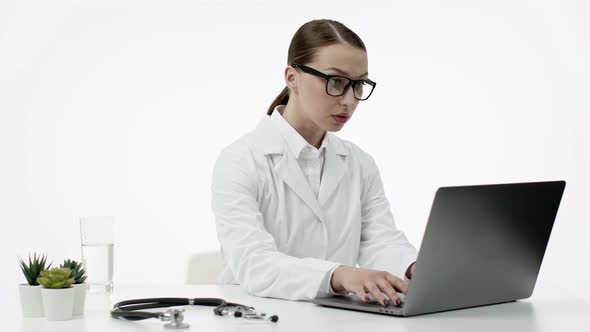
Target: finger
x,y
361,294
389,291
376,292
397,283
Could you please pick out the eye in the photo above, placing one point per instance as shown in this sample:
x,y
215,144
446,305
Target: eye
x,y
337,82
360,86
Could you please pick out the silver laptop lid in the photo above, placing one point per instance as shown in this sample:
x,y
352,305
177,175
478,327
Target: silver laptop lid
x,y
483,245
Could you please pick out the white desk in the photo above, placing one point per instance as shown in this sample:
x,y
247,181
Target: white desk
x,y
543,312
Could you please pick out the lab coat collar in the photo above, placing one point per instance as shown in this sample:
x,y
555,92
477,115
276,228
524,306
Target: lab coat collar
x,y
270,141
295,141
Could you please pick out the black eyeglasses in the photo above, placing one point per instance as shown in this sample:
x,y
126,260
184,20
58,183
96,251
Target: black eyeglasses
x,y
337,85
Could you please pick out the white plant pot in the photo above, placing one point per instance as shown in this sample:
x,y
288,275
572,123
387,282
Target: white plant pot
x,y
30,300
80,291
58,303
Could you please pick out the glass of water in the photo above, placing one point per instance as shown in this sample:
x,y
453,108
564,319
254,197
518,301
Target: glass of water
x,y
97,240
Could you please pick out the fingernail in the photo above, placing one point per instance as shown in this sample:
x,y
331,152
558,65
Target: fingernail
x,y
398,302
387,303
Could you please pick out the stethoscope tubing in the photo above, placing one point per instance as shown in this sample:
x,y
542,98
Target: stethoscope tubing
x,y
128,309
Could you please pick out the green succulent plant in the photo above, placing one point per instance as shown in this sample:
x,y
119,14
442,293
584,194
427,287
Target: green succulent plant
x,y
78,272
33,269
56,278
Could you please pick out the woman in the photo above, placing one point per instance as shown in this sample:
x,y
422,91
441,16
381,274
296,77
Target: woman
x,y
297,208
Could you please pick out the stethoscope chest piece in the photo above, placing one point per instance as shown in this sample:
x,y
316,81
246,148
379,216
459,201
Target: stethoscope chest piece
x,y
175,319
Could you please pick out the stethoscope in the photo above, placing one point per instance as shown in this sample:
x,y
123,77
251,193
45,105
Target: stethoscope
x,y
127,310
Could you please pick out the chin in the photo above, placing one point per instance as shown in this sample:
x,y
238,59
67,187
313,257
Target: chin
x,y
334,128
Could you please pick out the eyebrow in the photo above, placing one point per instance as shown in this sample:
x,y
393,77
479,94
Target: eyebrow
x,y
343,72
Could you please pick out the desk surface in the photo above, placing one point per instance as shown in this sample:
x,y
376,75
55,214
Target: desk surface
x,y
545,311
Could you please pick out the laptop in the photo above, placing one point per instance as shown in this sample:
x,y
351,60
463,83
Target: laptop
x,y
483,245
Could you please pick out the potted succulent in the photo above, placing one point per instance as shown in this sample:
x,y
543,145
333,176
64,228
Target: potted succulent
x,y
80,287
30,293
57,293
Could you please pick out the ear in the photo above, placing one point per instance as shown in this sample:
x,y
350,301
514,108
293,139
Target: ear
x,y
291,77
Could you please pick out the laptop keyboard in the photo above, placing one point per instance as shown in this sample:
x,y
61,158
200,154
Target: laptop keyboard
x,y
372,303
353,302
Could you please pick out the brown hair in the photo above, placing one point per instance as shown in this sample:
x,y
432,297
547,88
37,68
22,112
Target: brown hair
x,y
308,39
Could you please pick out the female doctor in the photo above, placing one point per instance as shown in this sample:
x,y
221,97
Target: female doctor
x,y
296,207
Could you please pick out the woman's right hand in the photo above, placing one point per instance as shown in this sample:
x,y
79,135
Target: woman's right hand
x,y
360,281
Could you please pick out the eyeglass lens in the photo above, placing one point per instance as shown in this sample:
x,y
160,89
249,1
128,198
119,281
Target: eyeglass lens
x,y
336,86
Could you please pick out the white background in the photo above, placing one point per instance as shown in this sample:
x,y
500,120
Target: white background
x,y
121,108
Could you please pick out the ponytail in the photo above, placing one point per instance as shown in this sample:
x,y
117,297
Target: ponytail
x,y
281,99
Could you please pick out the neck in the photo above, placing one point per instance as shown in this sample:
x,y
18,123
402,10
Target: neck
x,y
304,126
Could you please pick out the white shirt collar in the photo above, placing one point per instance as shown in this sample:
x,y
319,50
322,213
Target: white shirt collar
x,y
295,141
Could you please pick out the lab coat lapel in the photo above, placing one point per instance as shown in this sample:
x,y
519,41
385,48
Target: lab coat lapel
x,y
271,142
290,171
334,169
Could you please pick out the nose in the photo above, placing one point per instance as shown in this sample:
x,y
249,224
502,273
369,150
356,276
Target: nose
x,y
348,97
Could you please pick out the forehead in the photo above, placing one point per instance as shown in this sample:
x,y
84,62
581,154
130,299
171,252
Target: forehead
x,y
350,59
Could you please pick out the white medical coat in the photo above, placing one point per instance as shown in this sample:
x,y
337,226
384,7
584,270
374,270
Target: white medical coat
x,y
279,240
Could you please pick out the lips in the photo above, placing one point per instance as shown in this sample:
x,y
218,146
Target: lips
x,y
341,117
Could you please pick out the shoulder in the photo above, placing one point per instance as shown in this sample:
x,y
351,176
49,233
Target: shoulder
x,y
238,152
246,152
357,155
256,145
235,168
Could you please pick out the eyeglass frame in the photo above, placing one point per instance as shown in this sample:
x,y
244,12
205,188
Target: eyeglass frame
x,y
327,77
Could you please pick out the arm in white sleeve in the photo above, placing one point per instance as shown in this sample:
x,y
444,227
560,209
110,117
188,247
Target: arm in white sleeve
x,y
249,249
383,246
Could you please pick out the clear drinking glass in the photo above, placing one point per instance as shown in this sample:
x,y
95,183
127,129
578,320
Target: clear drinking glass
x,y
97,240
